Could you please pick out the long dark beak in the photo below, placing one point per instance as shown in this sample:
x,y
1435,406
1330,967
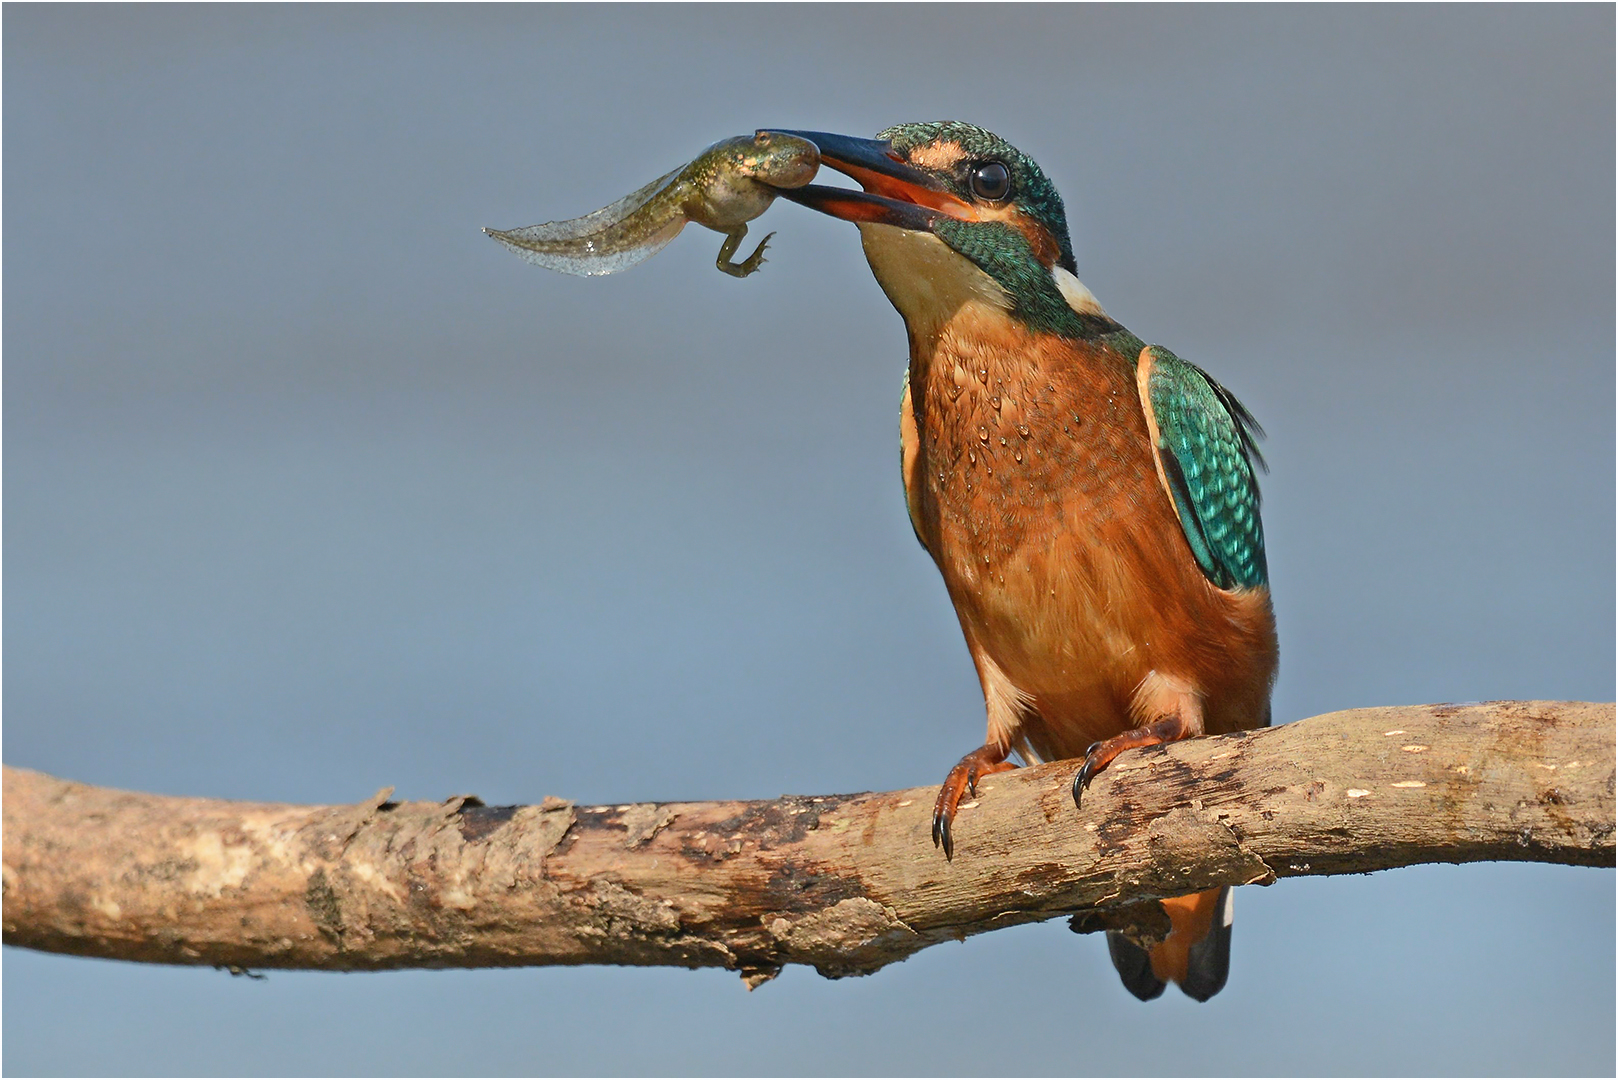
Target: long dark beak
x,y
895,192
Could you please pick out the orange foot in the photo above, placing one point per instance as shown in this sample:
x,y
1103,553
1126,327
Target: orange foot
x,y
984,761
1100,754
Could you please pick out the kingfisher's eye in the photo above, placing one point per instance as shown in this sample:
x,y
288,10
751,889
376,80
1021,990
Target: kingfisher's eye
x,y
991,180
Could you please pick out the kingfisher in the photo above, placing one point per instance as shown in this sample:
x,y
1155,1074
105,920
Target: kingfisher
x,y
1089,499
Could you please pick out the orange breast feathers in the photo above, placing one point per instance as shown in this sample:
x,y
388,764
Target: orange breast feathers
x,y
1032,481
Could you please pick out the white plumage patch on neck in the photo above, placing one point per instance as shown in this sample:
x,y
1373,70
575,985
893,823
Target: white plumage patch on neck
x,y
926,279
1079,298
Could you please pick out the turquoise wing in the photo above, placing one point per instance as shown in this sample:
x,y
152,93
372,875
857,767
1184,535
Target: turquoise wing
x,y
1206,443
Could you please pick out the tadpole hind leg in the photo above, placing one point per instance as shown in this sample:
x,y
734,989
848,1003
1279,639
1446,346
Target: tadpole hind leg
x,y
733,240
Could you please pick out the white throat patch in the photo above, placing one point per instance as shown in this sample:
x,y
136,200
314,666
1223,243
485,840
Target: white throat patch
x,y
1079,298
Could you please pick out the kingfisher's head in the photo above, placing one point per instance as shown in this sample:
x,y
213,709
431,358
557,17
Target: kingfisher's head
x,y
952,214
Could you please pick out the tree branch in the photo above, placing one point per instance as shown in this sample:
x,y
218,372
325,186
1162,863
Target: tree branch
x,y
847,883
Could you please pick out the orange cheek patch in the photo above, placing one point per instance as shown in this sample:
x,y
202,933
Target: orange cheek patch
x,y
937,157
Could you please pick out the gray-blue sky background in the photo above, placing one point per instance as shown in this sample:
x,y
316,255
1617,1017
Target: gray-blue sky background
x,y
310,488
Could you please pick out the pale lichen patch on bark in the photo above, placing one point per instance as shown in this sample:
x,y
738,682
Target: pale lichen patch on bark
x,y
852,937
369,874
215,866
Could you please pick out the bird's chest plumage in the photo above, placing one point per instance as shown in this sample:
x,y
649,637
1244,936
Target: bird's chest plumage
x,y
1037,491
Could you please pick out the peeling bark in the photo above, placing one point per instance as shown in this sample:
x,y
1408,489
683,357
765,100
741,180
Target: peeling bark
x,y
846,883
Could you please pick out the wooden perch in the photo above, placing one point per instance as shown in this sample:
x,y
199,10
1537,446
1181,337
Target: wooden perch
x,y
847,883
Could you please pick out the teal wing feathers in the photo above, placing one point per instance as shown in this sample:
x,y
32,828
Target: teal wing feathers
x,y
1206,444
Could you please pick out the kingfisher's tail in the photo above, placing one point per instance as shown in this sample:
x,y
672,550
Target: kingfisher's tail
x,y
1196,954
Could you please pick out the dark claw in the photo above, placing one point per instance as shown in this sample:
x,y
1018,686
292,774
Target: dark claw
x,y
1082,780
948,841
938,821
